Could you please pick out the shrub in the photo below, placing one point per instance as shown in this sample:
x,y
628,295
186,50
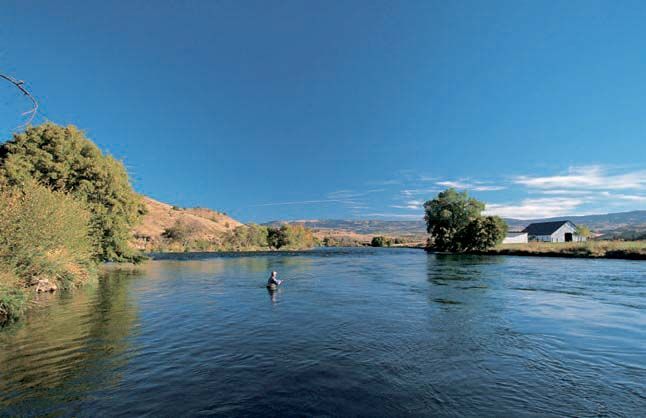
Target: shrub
x,y
482,233
13,297
181,231
44,237
290,237
63,159
380,241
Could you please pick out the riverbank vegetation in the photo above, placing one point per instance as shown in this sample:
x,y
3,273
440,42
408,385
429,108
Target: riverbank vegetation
x,y
454,221
45,244
63,159
64,207
252,237
631,250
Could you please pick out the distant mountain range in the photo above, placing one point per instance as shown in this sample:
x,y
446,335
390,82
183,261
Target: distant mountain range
x,y
624,224
610,222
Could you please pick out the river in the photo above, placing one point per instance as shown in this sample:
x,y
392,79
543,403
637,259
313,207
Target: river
x,y
352,332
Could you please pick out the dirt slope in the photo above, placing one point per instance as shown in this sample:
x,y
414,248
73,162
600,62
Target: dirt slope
x,y
196,223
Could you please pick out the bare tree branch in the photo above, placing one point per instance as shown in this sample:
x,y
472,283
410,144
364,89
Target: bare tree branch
x,y
20,84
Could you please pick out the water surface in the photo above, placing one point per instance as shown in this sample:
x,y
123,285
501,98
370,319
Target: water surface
x,y
372,332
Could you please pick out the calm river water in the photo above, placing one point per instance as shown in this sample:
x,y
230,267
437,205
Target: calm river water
x,y
370,332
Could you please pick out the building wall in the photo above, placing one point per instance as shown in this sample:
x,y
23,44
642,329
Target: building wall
x,y
559,235
543,238
515,239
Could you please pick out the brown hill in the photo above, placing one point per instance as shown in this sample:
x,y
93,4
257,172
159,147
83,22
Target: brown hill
x,y
191,224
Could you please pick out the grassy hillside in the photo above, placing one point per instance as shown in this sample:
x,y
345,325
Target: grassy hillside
x,y
625,225
610,223
167,227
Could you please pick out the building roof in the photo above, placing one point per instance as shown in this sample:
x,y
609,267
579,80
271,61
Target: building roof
x,y
544,228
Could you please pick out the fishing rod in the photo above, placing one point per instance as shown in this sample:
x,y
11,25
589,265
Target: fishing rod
x,y
20,84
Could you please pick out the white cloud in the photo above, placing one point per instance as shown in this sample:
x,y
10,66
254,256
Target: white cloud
x,y
566,192
592,177
350,194
454,184
417,192
393,215
301,202
620,196
477,186
488,188
535,208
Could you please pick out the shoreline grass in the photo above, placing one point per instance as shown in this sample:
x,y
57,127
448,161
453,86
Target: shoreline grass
x,y
627,250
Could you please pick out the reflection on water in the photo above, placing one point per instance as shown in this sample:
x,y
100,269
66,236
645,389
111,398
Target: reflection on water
x,y
351,332
70,346
274,294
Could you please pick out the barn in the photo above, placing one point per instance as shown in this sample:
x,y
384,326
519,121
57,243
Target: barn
x,y
559,231
515,238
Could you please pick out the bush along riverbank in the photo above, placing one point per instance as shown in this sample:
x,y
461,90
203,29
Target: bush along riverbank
x,y
64,208
45,245
627,250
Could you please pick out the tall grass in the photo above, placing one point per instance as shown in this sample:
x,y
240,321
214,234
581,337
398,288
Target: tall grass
x,y
604,249
44,238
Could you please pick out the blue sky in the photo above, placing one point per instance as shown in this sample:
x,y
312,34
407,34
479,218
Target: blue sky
x,y
360,109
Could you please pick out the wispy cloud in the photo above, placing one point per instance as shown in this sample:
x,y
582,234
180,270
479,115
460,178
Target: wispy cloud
x,y
385,182
475,186
393,215
300,202
621,196
351,194
593,177
411,204
535,208
418,192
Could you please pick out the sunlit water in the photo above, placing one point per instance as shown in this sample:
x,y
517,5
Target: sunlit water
x,y
352,332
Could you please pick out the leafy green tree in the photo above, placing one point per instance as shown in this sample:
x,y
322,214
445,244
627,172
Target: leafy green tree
x,y
290,237
63,159
247,237
380,241
276,238
454,221
447,214
583,231
481,233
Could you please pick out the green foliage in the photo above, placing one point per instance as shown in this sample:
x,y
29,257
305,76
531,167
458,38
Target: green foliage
x,y
341,241
447,214
453,219
246,238
181,231
44,235
481,234
13,297
63,159
583,231
380,241
290,237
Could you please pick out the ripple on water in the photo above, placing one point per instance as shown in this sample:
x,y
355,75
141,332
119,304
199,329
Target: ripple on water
x,y
352,332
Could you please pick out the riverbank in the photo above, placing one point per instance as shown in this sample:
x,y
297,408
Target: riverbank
x,y
626,250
